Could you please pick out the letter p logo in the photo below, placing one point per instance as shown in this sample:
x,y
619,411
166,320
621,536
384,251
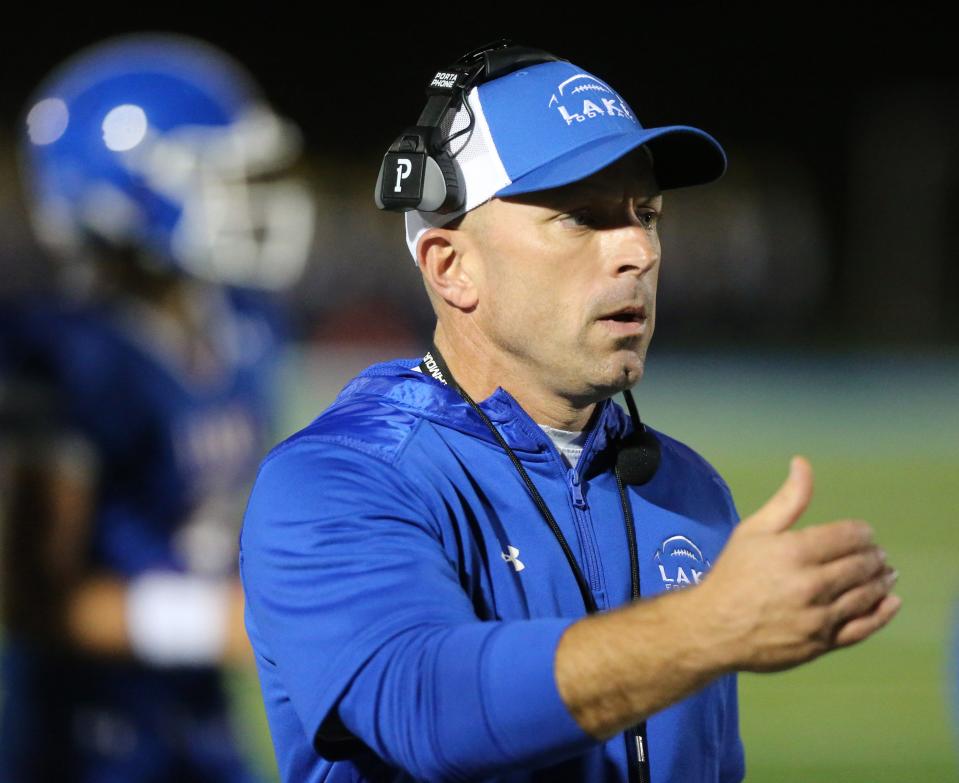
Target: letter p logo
x,y
399,183
403,168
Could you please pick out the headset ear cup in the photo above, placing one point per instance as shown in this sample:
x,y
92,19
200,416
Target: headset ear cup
x,y
454,197
434,193
441,190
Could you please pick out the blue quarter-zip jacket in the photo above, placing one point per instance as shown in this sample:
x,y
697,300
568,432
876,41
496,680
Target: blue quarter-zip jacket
x,y
405,597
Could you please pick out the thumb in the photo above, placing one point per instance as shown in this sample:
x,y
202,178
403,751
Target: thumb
x,y
789,502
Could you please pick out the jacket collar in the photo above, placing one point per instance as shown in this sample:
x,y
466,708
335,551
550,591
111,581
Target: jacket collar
x,y
426,397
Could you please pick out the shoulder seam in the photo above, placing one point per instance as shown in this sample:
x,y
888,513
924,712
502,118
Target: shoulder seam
x,y
340,440
345,440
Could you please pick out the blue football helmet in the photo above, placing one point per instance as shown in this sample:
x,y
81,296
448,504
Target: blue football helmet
x,y
164,144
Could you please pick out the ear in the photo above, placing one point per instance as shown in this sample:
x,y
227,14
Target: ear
x,y
444,257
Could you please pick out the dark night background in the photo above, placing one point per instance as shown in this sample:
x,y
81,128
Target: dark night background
x,y
840,134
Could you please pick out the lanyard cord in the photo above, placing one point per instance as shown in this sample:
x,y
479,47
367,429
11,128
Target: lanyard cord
x,y
434,365
630,536
530,486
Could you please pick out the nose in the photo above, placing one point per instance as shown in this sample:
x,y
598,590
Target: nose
x,y
632,249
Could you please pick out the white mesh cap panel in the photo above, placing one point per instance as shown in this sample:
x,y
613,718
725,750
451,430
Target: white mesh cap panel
x,y
478,166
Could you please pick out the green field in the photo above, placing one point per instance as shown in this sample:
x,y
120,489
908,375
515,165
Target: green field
x,y
882,433
883,438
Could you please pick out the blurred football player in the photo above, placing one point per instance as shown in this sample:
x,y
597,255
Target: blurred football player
x,y
135,405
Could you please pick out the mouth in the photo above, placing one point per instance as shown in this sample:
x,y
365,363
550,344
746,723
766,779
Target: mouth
x,y
631,313
626,321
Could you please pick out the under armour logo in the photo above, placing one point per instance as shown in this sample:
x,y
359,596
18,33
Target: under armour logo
x,y
513,557
403,168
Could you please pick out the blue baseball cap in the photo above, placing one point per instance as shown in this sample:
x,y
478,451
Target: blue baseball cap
x,y
551,124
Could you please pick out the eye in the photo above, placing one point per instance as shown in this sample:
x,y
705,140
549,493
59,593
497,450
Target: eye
x,y
580,218
649,218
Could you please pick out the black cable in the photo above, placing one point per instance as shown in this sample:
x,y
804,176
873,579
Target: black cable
x,y
463,98
636,737
631,404
587,594
640,728
467,129
630,534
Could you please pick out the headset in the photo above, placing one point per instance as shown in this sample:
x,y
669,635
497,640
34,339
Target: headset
x,y
417,172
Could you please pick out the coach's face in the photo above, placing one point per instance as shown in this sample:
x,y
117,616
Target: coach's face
x,y
567,278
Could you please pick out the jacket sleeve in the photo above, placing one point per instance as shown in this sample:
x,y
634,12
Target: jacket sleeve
x,y
363,615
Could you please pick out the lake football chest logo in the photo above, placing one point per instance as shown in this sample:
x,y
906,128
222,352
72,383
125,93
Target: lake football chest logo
x,y
681,563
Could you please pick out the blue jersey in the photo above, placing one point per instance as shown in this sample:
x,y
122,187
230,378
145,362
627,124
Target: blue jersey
x,y
405,597
172,445
175,439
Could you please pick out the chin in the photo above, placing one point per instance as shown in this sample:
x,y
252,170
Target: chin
x,y
626,367
621,371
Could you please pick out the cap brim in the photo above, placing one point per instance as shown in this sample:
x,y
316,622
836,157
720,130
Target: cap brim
x,y
682,156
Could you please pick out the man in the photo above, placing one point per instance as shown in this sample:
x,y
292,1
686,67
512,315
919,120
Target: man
x,y
136,398
408,599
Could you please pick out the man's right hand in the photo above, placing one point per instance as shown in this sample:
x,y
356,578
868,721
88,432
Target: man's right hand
x,y
778,597
775,598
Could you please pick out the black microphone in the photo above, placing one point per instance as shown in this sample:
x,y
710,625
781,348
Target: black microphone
x,y
637,458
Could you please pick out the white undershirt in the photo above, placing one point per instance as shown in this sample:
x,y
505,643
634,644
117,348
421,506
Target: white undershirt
x,y
570,444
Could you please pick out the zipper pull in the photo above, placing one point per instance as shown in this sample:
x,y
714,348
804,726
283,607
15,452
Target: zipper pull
x,y
575,489
640,750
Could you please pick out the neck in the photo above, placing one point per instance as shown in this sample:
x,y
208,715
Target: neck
x,y
479,369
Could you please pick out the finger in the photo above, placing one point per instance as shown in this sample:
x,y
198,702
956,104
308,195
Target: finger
x,y
789,501
845,573
863,598
824,543
860,628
